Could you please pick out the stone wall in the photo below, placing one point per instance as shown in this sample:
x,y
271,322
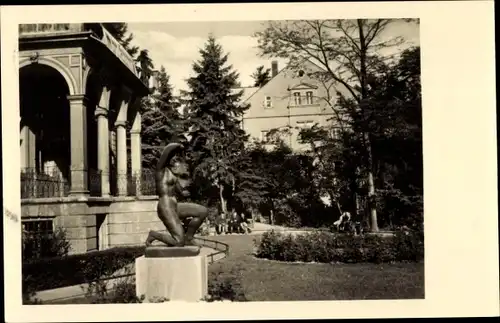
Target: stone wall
x,y
129,221
97,223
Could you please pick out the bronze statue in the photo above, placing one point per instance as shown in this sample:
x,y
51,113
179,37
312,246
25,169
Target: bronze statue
x,y
172,181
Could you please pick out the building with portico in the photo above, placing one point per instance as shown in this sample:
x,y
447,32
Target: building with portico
x,y
80,136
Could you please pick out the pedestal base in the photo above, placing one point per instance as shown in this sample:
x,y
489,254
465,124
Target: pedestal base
x,y
171,252
173,278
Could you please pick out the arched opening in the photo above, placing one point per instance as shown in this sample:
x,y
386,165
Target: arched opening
x,y
45,131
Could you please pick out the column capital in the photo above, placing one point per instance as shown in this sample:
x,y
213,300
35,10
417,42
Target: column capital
x,y
136,124
77,98
135,131
120,123
99,111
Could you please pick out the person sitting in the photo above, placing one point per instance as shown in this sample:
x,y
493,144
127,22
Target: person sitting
x,y
341,222
234,223
244,224
221,224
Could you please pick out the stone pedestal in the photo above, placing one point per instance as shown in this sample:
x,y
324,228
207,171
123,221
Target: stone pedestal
x,y
172,275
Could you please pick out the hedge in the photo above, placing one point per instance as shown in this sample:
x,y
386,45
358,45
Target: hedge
x,y
49,273
329,247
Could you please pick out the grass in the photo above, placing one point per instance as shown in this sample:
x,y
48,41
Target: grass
x,y
265,280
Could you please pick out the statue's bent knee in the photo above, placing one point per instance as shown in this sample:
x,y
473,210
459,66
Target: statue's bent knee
x,y
179,239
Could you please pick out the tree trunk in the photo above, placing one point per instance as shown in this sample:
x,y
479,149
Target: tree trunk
x,y
371,185
223,203
366,135
371,203
356,204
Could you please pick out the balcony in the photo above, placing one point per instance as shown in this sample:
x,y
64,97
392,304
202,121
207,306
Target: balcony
x,y
52,183
37,29
96,31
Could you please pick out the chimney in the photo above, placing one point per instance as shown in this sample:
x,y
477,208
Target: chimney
x,y
274,68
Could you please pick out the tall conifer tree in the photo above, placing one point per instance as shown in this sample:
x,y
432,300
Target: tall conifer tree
x,y
213,115
161,120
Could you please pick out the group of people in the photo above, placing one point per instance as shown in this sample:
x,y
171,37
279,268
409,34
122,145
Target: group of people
x,y
346,225
235,223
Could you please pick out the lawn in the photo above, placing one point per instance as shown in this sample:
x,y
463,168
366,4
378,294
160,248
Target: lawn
x,y
265,280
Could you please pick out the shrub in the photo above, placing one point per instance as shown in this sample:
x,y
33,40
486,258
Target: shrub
x,y
36,245
122,292
49,273
326,247
409,246
269,246
30,299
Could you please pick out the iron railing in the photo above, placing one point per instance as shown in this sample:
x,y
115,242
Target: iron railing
x,y
222,248
36,184
53,183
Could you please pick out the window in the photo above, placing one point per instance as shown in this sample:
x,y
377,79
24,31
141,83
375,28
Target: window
x,y
335,133
263,135
309,97
301,73
297,99
36,238
305,124
268,103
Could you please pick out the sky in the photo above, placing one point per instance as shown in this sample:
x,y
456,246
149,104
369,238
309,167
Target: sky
x,y
175,45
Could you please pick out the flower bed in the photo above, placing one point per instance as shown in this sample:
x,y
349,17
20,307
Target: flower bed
x,y
328,247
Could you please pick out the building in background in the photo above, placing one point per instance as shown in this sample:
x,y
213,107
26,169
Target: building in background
x,y
291,99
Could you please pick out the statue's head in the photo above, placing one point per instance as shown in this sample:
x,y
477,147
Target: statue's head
x,y
179,168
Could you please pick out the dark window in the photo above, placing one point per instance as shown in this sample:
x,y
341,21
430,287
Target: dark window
x,y
297,98
37,238
309,97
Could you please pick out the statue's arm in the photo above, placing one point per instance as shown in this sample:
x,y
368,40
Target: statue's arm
x,y
162,162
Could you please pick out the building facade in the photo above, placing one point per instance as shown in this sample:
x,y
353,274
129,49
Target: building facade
x,y
79,112
291,99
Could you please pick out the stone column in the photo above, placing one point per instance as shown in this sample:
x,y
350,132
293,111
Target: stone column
x,y
25,153
121,157
28,148
79,162
135,147
101,115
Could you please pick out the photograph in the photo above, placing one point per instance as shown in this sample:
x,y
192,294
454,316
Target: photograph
x,y
249,161
256,160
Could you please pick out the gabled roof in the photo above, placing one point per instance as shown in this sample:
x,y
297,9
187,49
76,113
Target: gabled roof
x,y
247,91
280,71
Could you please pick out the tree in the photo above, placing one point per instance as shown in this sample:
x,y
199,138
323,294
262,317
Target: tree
x,y
161,121
145,66
261,77
396,125
119,30
349,53
213,113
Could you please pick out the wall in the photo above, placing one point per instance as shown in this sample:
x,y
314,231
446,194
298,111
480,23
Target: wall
x,y
97,223
129,221
283,112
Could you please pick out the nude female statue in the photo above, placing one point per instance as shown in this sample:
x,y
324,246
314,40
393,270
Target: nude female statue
x,y
172,182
